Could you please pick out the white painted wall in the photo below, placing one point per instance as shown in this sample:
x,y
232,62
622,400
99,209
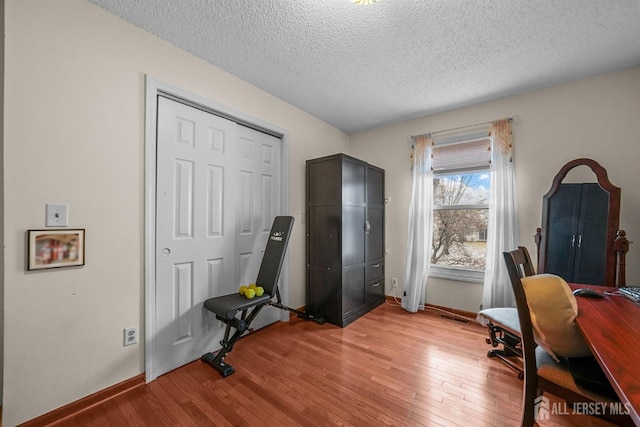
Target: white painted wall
x,y
595,118
1,198
74,133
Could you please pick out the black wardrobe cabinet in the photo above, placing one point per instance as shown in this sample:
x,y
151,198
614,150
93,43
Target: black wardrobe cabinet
x,y
345,238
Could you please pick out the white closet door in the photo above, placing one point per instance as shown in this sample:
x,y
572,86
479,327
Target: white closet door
x,y
211,181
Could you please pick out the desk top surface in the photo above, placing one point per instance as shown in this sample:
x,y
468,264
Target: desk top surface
x,y
611,328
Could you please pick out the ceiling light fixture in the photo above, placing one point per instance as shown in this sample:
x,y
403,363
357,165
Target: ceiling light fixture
x,y
364,1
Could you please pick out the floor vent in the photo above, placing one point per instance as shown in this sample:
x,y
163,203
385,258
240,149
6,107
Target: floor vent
x,y
457,319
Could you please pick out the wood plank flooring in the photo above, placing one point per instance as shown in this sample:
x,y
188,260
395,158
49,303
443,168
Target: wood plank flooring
x,y
389,367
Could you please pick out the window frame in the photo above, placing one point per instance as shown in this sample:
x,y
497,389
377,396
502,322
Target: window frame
x,y
459,274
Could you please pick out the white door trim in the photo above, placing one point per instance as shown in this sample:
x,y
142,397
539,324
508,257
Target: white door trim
x,y
153,88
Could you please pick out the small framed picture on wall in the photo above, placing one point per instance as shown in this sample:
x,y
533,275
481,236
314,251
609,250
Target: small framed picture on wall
x,y
54,248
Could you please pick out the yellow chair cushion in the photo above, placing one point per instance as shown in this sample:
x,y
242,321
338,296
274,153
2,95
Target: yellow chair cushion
x,y
553,311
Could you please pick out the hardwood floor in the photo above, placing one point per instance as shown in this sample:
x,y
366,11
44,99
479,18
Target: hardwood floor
x,y
389,367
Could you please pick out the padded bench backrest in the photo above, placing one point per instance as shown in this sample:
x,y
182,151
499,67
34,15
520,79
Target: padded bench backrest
x,y
274,254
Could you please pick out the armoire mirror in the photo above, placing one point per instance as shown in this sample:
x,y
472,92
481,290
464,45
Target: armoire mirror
x,y
580,220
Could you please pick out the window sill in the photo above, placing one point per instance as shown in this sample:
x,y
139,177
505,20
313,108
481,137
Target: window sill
x,y
457,274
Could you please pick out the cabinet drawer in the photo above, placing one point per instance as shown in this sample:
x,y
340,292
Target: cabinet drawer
x,y
375,291
375,271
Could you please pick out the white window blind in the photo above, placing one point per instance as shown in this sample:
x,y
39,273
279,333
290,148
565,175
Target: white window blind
x,y
462,155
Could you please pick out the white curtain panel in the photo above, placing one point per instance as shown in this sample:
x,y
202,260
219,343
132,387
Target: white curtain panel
x,y
420,227
503,228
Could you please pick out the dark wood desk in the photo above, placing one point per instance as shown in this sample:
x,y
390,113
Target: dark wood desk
x,y
611,328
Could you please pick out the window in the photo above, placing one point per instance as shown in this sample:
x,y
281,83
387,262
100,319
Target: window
x,y
461,180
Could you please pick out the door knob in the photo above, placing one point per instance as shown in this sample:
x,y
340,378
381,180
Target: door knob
x,y
165,252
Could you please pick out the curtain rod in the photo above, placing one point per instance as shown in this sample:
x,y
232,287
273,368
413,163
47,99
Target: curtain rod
x,y
511,119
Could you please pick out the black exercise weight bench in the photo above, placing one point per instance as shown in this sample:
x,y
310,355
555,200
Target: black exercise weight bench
x,y
228,307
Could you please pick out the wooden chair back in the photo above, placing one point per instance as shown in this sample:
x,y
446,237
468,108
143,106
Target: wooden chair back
x,y
519,265
523,262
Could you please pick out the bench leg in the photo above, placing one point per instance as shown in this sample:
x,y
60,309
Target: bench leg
x,y
216,360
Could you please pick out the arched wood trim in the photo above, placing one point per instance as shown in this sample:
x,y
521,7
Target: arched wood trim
x,y
613,221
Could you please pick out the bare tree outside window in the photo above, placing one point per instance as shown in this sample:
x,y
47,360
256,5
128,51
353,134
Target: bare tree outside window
x,y
460,219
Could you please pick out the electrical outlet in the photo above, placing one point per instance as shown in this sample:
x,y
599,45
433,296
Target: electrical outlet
x,y
394,282
130,335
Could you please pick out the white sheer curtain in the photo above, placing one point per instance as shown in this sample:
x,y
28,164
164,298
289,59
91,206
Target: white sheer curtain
x,y
420,226
503,229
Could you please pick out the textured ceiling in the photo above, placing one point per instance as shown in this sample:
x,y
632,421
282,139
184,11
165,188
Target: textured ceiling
x,y
359,67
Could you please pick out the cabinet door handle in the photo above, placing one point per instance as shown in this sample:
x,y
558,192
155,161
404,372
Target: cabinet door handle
x,y
367,226
375,265
580,241
375,285
573,240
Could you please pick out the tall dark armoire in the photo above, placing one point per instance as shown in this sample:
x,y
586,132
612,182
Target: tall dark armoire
x,y
345,238
577,216
579,239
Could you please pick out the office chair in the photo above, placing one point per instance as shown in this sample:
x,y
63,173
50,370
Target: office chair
x,y
541,372
227,307
502,322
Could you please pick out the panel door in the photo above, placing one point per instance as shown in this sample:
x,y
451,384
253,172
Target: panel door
x,y
353,292
564,209
209,225
375,214
589,265
258,202
195,239
353,212
354,216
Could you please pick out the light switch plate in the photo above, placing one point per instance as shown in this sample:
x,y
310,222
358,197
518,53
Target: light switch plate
x,y
57,215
